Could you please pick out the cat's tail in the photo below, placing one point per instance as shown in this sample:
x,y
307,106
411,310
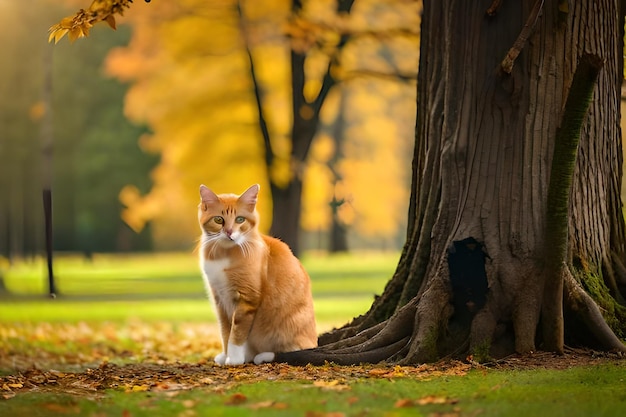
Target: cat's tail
x,y
319,357
264,357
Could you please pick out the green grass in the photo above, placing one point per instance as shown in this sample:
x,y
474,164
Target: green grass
x,y
165,293
168,286
592,391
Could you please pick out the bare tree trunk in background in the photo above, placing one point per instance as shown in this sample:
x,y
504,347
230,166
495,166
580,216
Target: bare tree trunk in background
x,y
473,272
338,230
47,146
287,197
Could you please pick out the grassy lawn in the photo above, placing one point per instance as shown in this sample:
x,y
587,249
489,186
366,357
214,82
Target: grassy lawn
x,y
589,391
168,286
134,336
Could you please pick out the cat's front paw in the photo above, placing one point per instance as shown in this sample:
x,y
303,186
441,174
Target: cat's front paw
x,y
236,354
234,361
220,359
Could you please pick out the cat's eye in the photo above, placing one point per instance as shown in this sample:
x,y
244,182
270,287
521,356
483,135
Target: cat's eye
x,y
240,219
218,219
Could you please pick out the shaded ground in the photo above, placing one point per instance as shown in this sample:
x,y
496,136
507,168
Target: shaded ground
x,y
173,377
87,358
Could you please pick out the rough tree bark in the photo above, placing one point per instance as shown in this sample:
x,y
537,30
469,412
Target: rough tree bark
x,y
493,82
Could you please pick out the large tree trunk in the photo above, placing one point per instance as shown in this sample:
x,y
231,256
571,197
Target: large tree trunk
x,y
473,272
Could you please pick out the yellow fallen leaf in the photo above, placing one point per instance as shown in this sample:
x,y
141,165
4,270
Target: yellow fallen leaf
x,y
432,399
378,372
262,404
189,403
333,385
326,384
140,388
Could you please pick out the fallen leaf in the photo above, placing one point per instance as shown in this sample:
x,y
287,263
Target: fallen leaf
x,y
189,403
236,399
262,404
61,408
378,372
333,385
433,399
403,403
326,384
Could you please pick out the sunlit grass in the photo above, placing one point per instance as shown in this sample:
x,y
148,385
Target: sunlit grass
x,y
158,287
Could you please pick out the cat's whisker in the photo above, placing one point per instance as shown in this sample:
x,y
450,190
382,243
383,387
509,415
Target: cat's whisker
x,y
243,246
246,248
210,239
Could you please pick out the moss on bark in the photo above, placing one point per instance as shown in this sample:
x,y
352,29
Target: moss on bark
x,y
614,314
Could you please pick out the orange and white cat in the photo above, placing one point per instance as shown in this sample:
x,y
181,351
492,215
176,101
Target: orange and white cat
x,y
260,291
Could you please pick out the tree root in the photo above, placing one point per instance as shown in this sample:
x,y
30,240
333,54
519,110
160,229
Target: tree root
x,y
620,273
383,334
610,275
319,357
382,342
583,305
345,332
412,335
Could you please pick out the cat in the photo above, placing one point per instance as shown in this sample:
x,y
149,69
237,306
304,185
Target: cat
x,y
260,291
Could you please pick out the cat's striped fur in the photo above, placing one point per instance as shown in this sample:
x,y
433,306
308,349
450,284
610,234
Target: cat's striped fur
x,y
260,291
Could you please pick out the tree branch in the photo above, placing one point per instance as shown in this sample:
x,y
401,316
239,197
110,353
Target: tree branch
x,y
269,154
562,171
565,153
511,56
493,9
398,76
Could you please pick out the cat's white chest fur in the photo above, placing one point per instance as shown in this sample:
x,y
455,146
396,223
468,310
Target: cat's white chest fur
x,y
216,281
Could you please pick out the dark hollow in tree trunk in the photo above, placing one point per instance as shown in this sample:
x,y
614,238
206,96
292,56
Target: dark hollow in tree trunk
x,y
481,170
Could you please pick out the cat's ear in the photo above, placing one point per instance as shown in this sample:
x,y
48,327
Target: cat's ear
x,y
207,196
249,197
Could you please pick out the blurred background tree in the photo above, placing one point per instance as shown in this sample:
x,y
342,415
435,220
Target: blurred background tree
x,y
95,151
195,84
209,76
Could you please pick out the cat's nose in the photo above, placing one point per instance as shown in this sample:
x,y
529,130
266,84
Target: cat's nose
x,y
229,233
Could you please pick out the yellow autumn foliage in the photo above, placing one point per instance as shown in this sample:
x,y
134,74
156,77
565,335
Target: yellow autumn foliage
x,y
190,83
79,24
